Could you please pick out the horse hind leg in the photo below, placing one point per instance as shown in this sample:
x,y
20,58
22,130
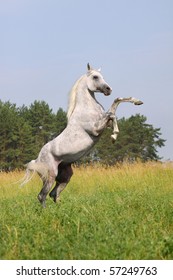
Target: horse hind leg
x,y
47,184
65,172
55,193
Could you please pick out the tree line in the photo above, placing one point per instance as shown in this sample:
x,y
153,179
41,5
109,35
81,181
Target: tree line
x,y
24,130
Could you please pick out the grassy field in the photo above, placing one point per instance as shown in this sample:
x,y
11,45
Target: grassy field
x,y
121,212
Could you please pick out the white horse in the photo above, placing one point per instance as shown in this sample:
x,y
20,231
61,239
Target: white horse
x,y
86,122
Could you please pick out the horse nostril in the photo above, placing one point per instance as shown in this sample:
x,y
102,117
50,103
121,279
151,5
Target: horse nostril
x,y
108,88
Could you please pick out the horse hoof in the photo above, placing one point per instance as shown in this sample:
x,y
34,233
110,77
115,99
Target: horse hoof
x,y
138,102
53,197
43,203
58,200
113,137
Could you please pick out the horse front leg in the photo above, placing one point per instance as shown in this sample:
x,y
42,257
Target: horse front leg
x,y
113,109
115,130
100,125
119,100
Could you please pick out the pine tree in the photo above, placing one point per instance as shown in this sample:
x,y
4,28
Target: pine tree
x,y
60,122
42,121
15,137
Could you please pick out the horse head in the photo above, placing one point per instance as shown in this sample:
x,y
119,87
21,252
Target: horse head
x,y
95,81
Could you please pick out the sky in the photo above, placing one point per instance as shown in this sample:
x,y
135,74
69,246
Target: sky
x,y
46,45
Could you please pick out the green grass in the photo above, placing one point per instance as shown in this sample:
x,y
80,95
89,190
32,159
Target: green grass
x,y
121,212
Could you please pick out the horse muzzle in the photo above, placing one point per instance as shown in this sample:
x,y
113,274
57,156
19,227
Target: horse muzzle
x,y
107,90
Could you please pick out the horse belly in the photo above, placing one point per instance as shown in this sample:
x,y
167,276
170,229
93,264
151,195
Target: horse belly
x,y
70,147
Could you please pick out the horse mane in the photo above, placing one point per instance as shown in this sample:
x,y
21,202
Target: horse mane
x,y
72,98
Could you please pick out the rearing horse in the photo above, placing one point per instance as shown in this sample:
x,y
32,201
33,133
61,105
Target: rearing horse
x,y
86,122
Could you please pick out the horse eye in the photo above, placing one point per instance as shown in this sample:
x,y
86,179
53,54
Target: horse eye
x,y
95,77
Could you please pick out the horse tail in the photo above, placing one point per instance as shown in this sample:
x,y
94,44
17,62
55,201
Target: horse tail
x,y
31,168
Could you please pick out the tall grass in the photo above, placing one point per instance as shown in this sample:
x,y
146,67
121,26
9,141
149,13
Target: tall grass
x,y
123,212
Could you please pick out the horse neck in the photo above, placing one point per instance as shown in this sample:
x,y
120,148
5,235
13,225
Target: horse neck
x,y
72,98
86,104
85,96
83,102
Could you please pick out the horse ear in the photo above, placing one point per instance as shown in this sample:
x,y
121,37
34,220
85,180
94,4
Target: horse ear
x,y
89,67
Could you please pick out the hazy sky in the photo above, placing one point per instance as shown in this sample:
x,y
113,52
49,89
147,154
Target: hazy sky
x,y
45,46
